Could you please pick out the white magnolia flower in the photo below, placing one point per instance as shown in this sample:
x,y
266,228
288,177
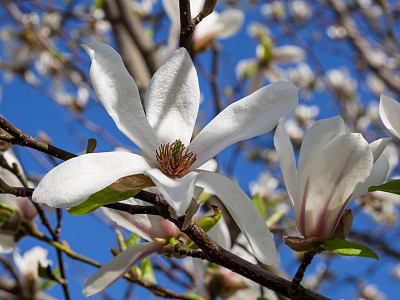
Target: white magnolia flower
x,y
28,263
268,57
171,104
156,230
23,206
335,167
389,111
214,26
342,84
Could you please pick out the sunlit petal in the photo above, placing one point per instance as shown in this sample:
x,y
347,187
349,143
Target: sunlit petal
x,y
172,99
178,192
245,214
254,115
73,181
389,111
120,97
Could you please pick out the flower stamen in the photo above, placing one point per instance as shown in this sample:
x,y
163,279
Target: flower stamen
x,y
175,159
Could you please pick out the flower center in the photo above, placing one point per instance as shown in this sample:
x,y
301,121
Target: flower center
x,y
175,159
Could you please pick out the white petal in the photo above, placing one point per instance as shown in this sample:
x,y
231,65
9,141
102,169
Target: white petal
x,y
337,170
316,137
177,192
377,177
288,54
254,115
172,98
230,20
210,165
73,181
118,266
245,214
120,97
378,146
389,111
287,162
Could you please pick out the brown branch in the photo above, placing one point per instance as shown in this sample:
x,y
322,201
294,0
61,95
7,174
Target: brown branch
x,y
298,277
187,25
22,139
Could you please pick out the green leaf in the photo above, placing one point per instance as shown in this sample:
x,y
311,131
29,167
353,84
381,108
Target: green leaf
x,y
5,212
260,204
98,3
392,186
347,248
208,222
134,239
147,270
194,296
105,196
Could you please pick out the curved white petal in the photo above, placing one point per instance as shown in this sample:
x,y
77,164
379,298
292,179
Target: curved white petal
x,y
287,163
389,111
177,192
254,115
210,165
337,170
172,98
73,181
208,26
377,177
378,146
245,214
230,21
120,97
118,266
288,54
316,137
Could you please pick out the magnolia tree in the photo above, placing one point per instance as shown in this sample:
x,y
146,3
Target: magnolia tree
x,y
114,114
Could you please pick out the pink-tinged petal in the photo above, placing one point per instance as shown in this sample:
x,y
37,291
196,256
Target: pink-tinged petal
x,y
120,97
147,226
245,214
254,115
389,111
337,170
178,192
378,146
287,163
73,181
288,54
172,98
118,266
317,137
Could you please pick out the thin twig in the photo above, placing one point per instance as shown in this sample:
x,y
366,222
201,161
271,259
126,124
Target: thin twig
x,y
23,139
187,25
294,291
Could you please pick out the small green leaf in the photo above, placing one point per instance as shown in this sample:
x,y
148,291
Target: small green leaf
x,y
347,248
260,204
134,239
98,3
5,212
208,222
194,296
392,186
105,196
147,270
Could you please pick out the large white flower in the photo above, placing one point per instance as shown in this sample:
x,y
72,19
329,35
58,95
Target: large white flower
x,y
335,167
389,111
171,104
156,230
